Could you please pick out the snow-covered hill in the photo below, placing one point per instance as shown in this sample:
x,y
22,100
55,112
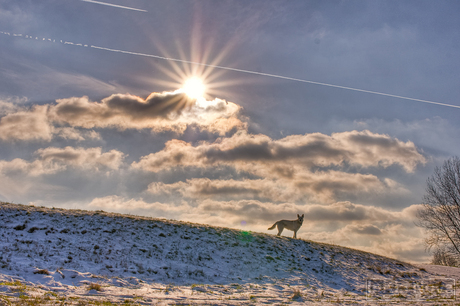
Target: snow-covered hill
x,y
72,254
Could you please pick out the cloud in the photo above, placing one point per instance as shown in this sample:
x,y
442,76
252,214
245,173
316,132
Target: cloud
x,y
346,211
365,229
75,134
112,110
167,111
30,124
10,104
20,166
372,149
86,158
204,187
52,160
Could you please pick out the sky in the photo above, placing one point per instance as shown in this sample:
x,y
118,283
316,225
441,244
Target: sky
x,y
93,114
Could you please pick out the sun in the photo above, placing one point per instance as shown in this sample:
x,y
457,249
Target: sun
x,y
194,88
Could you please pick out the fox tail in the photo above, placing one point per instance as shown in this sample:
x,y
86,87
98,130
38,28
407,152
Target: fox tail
x,y
270,228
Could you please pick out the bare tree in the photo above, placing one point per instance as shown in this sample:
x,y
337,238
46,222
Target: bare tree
x,y
443,258
440,214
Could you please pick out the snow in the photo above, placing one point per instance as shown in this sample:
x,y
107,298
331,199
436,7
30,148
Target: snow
x,y
88,257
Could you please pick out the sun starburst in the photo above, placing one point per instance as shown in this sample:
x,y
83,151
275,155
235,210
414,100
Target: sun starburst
x,y
194,88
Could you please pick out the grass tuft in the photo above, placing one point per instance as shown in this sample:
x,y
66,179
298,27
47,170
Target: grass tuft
x,y
297,295
94,286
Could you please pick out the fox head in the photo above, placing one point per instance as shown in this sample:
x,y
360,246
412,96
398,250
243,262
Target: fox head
x,y
300,218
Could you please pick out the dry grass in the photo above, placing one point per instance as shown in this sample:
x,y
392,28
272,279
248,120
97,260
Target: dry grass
x,y
296,295
42,271
94,286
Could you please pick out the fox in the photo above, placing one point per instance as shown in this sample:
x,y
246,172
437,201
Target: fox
x,y
292,225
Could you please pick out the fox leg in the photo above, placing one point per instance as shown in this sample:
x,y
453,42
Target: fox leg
x,y
280,229
295,234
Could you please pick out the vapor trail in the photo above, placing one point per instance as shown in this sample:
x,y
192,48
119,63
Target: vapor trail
x,y
276,76
114,5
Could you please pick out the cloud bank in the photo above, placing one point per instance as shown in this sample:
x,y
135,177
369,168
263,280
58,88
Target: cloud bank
x,y
294,168
246,151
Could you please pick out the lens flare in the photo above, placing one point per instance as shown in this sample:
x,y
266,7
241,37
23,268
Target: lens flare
x,y
194,88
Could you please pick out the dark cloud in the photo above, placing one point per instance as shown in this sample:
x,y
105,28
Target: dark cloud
x,y
311,187
112,110
261,147
82,157
341,211
205,188
365,229
251,210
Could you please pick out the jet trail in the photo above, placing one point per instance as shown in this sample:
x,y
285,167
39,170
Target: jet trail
x,y
114,5
276,76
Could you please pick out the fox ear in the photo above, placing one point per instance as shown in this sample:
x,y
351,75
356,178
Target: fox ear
x,y
303,215
298,216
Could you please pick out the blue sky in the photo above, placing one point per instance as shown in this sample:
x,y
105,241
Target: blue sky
x,y
84,127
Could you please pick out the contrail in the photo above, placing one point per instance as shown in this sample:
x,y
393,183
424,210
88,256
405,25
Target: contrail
x,y
276,76
233,69
114,5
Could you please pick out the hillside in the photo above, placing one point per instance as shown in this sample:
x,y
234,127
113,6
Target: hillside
x,y
50,253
